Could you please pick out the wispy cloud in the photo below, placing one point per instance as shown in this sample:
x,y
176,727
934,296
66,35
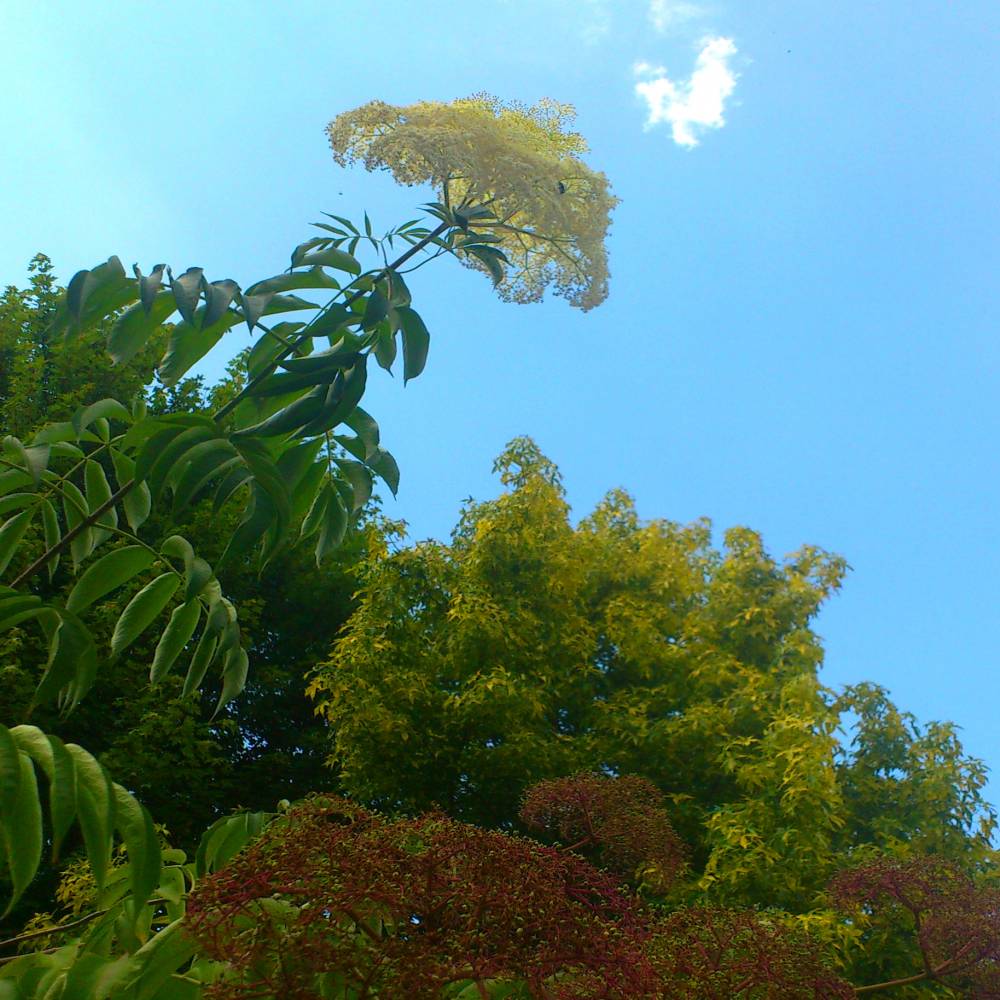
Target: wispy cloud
x,y
693,105
669,15
594,17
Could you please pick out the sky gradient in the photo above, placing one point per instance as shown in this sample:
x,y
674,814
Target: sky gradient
x,y
802,332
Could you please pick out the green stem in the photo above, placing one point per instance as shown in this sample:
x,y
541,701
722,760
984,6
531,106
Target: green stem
x,y
67,539
305,334
928,974
58,929
223,412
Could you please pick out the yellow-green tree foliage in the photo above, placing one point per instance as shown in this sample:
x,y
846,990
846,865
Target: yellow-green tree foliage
x,y
530,648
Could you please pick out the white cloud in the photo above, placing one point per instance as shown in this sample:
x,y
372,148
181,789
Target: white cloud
x,y
667,15
693,105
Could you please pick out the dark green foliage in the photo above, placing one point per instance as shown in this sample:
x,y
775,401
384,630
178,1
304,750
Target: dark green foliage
x,y
43,380
187,769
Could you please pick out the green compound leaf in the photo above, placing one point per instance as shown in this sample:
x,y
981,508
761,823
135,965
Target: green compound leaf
x,y
21,830
107,574
177,635
142,611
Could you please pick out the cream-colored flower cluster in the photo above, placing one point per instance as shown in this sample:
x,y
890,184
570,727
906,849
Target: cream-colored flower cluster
x,y
550,211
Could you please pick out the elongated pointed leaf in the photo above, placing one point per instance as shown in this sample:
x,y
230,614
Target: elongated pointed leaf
x,y
10,772
189,343
200,466
315,277
142,611
295,461
416,342
260,459
253,306
151,967
204,653
186,288
232,482
99,493
174,453
76,511
136,829
108,289
72,663
385,347
288,383
14,479
234,676
330,257
176,636
10,536
259,516
339,404
385,467
290,418
360,481
149,285
162,435
269,346
376,310
315,517
93,296
16,501
137,502
52,535
107,574
341,356
49,753
60,432
364,425
333,322
38,460
21,829
399,294
139,434
90,976
110,409
306,490
35,460
134,328
95,811
62,793
77,291
199,573
16,607
218,295
179,547
331,532
225,838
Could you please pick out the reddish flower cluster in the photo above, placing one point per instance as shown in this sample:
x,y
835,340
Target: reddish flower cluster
x,y
705,953
619,823
408,908
956,922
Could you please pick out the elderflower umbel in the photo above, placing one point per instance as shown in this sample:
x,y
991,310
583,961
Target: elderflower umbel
x,y
550,211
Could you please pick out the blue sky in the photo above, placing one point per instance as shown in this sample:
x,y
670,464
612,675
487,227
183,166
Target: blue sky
x,y
802,332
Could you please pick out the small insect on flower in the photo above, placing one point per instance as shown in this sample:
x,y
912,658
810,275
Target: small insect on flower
x,y
547,212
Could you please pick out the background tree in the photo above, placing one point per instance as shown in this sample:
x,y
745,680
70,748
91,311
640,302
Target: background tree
x,y
529,648
44,378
